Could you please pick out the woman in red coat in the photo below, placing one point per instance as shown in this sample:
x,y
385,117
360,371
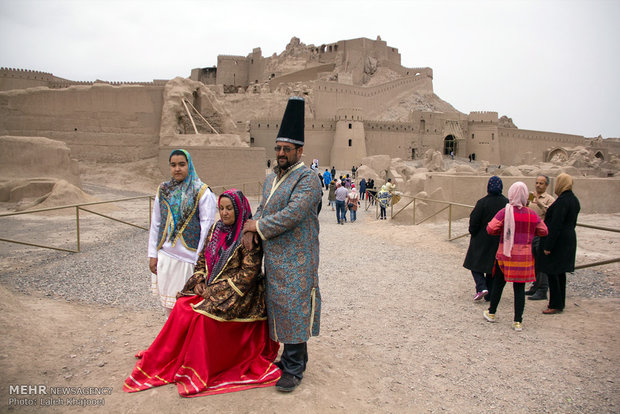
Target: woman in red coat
x,y
216,339
516,225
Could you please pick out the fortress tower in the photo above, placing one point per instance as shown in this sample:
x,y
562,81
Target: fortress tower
x,y
483,139
349,139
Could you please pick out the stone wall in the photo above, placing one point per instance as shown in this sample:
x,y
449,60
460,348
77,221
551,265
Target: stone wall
x,y
516,142
99,123
468,189
331,96
232,70
217,166
22,79
23,158
309,74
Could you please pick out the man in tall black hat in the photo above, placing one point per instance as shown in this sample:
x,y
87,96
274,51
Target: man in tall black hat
x,y
286,221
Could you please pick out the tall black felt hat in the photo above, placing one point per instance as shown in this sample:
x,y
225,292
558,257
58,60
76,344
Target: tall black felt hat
x,y
292,126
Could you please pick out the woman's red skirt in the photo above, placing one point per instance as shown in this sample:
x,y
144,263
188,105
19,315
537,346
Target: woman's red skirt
x,y
204,356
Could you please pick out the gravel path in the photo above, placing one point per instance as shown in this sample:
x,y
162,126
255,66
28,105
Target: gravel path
x,y
399,331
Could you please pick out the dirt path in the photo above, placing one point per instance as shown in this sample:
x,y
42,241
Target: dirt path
x,y
399,333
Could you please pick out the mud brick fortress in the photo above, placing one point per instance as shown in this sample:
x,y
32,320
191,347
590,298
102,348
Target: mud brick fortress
x,y
360,101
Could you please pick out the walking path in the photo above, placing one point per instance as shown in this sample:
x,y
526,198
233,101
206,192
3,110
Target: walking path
x,y
399,329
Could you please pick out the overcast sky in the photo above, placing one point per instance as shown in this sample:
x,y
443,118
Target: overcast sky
x,y
549,65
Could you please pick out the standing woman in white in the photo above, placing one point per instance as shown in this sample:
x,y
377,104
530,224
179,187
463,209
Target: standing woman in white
x,y
183,213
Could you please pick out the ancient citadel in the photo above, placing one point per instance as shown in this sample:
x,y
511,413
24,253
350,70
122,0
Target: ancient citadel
x,y
360,102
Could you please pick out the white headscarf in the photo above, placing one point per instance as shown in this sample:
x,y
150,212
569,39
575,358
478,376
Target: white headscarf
x,y
517,197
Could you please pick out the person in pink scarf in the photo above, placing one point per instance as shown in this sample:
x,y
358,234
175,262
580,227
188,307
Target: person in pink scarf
x,y
516,225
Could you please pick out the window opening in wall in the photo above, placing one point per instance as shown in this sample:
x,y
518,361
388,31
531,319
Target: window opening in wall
x,y
350,142
472,136
251,140
350,126
492,136
422,125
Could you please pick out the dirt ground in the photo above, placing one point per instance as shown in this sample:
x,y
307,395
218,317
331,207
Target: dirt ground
x,y
399,333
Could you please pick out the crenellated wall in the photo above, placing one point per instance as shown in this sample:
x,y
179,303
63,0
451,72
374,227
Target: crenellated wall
x,y
100,122
23,78
309,74
516,145
330,96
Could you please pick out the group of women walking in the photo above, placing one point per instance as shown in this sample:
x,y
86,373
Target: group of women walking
x,y
500,248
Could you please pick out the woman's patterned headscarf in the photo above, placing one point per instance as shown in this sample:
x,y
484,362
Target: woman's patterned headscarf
x,y
181,196
226,238
495,185
517,197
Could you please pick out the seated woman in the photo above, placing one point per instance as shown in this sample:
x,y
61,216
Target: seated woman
x,y
216,339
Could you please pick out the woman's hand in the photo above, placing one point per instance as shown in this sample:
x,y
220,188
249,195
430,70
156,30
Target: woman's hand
x,y
153,264
547,252
199,289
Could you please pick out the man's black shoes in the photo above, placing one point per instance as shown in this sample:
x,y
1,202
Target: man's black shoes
x,y
287,382
539,295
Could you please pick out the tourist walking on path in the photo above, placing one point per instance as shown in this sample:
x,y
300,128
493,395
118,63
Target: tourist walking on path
x,y
216,339
331,196
183,213
288,226
341,196
539,201
480,256
362,188
560,246
352,202
516,225
371,192
383,198
327,178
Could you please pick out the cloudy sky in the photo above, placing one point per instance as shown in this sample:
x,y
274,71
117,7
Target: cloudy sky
x,y
549,65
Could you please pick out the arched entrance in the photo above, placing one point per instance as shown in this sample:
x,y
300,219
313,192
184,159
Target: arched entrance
x,y
557,155
449,145
600,156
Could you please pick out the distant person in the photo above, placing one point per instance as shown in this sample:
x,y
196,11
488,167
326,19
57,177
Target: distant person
x,y
480,256
363,188
353,170
370,191
333,172
560,246
183,212
352,202
539,201
331,196
327,178
347,182
516,225
216,339
452,154
341,196
389,186
383,198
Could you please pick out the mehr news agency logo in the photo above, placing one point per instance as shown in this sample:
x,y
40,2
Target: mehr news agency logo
x,y
46,396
